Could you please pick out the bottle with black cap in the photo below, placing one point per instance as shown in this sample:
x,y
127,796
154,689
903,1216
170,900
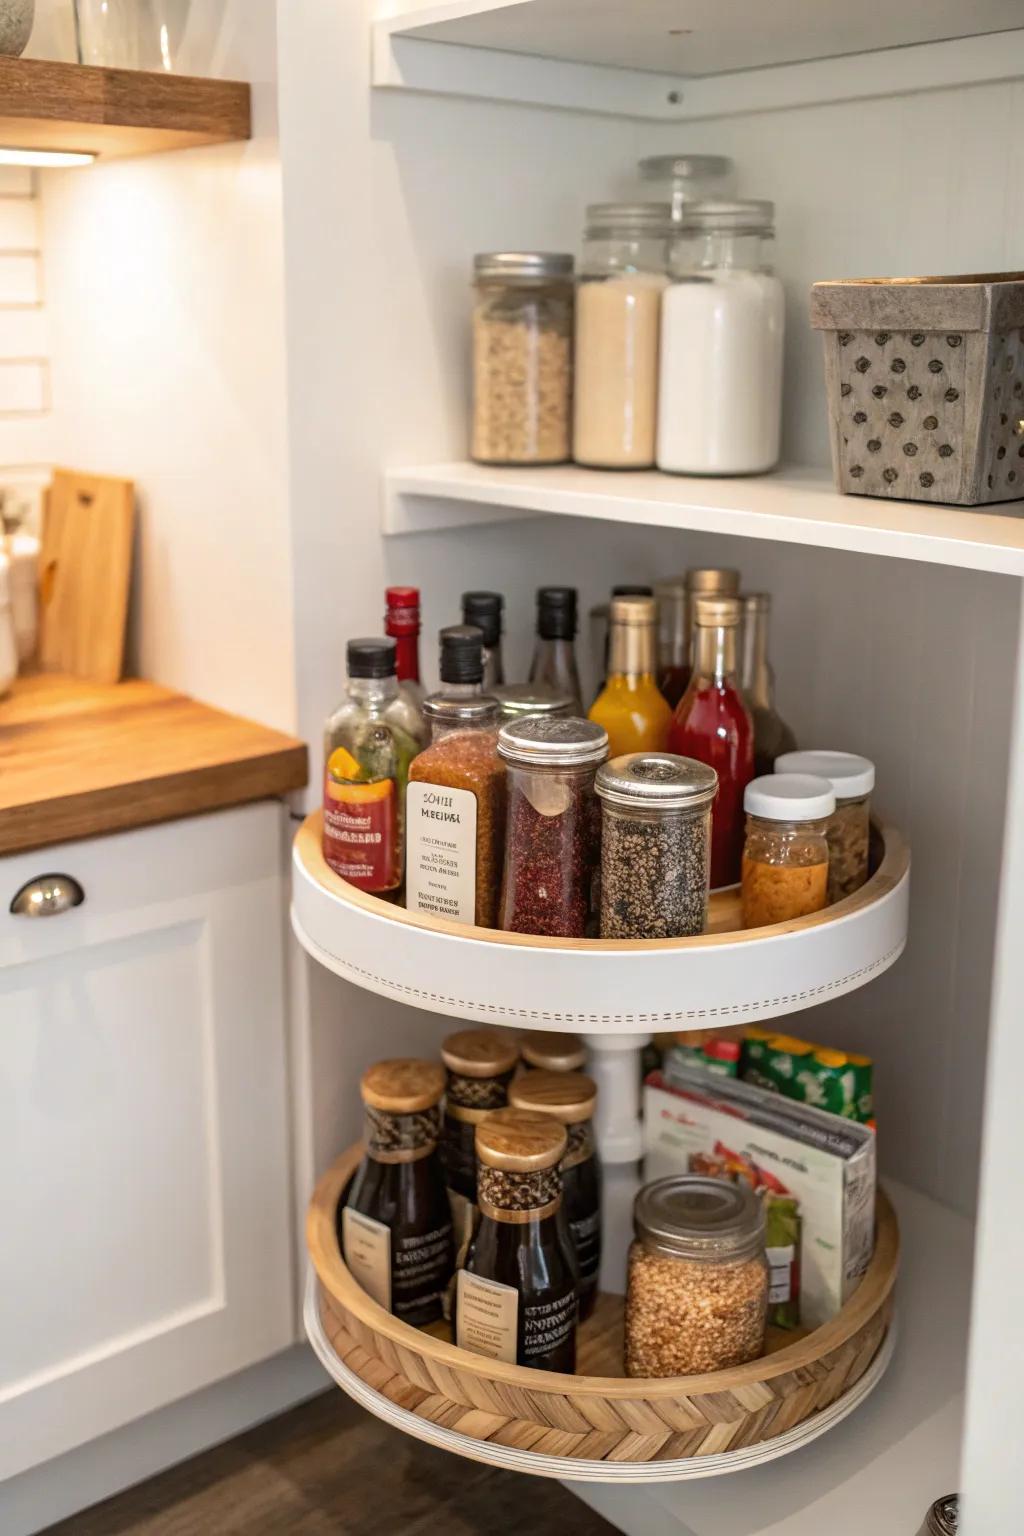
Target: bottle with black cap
x,y
484,609
455,806
369,742
554,656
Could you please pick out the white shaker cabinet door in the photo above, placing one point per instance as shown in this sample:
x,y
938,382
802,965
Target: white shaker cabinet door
x,y
145,1231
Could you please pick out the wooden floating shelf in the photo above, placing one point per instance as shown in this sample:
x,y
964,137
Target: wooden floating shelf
x,y
602,986
114,113
599,1424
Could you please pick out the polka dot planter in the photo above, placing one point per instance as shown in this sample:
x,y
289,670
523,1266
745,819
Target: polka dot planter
x,y
925,381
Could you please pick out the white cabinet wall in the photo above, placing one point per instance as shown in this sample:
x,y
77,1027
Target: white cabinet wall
x,y
144,1141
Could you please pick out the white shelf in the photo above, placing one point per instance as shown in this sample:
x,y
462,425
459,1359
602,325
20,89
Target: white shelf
x,y
791,506
595,986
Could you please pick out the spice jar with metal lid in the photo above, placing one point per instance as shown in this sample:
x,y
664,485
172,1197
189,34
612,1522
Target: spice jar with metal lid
x,y
395,1226
479,1065
522,358
943,1519
551,842
785,856
545,1050
516,1297
849,828
655,845
519,699
697,1283
570,1098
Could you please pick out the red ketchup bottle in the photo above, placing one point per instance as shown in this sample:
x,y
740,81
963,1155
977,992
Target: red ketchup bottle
x,y
713,724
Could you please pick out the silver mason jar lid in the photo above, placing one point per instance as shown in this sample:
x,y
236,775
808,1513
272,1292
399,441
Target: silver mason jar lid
x,y
632,218
691,1217
656,781
520,264
517,699
465,709
943,1517
739,216
552,741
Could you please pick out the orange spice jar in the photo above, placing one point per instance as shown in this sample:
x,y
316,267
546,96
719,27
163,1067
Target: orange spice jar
x,y
785,856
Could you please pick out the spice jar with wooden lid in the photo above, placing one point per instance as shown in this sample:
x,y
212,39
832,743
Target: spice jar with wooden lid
x,y
546,1050
479,1064
516,1297
395,1227
785,856
849,827
570,1098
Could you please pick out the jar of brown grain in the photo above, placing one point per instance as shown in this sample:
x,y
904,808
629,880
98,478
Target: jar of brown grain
x,y
785,855
849,829
697,1285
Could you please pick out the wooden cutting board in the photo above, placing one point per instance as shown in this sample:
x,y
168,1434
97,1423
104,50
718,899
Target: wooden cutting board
x,y
84,575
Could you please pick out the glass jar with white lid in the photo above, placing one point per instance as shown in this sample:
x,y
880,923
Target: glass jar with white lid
x,y
786,854
618,320
722,323
849,828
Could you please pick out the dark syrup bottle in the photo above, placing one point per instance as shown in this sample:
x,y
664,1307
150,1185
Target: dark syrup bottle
x,y
517,1295
394,1226
479,1065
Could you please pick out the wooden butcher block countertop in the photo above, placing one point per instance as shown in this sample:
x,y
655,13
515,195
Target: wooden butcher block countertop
x,y
81,759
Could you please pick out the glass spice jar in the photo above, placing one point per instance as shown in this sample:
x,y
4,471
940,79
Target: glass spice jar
x,y
516,1296
545,1050
518,699
479,1064
785,856
551,841
697,1281
395,1227
849,827
655,845
570,1098
522,358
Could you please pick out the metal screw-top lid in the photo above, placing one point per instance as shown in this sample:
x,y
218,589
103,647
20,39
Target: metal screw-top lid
x,y
553,741
371,657
520,1141
484,610
943,1519
477,709
712,580
568,1097
556,613
403,1086
479,1052
789,797
550,1051
850,776
716,612
462,654
656,781
517,699
633,609
645,220
523,264
690,1217
738,216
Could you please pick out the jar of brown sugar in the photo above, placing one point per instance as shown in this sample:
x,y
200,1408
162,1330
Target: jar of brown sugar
x,y
785,856
697,1284
849,829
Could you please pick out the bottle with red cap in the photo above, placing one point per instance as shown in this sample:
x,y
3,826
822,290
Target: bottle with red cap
x,y
402,623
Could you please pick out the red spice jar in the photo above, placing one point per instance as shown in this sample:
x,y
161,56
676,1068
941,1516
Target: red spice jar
x,y
713,724
552,835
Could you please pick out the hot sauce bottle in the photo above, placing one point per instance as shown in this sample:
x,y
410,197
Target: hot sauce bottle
x,y
402,623
630,706
713,724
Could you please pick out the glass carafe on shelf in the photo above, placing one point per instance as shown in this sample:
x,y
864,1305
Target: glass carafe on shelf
x,y
554,655
630,706
131,34
772,736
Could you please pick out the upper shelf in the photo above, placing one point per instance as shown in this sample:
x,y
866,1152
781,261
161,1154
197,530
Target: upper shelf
x,y
792,506
113,113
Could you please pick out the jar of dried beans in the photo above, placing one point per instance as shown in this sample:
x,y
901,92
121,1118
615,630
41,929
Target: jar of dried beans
x,y
785,856
849,828
522,358
552,833
655,845
697,1285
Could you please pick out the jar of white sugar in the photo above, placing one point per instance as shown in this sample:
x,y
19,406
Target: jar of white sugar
x,y
720,397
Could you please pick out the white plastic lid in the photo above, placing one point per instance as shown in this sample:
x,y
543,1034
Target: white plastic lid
x,y
789,797
850,776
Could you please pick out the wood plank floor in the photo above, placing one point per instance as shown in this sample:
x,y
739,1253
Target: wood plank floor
x,y
329,1469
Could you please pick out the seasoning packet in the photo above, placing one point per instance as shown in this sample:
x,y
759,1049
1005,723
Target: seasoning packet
x,y
704,1051
836,1081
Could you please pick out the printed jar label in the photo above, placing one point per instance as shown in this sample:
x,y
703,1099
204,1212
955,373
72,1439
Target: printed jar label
x,y
586,1234
440,874
360,832
422,1265
547,1326
366,1245
780,1278
486,1317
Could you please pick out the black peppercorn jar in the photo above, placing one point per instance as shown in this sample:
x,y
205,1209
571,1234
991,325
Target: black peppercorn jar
x,y
479,1065
551,829
395,1227
570,1098
655,845
517,1295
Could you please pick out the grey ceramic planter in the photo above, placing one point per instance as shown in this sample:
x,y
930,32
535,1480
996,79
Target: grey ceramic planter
x,y
925,380
16,18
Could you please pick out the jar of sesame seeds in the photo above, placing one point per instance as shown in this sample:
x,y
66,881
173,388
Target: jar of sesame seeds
x,y
697,1286
655,845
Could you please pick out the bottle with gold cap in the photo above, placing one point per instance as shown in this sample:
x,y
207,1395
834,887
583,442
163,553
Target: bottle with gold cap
x,y
395,1227
630,706
546,1050
517,1294
570,1098
713,724
479,1065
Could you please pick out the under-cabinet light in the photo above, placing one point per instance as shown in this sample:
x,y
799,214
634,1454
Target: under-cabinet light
x,y
46,157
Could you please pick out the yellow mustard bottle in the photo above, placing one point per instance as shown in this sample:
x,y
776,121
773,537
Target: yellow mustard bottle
x,y
630,706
